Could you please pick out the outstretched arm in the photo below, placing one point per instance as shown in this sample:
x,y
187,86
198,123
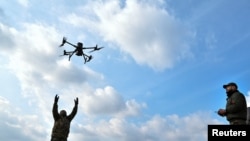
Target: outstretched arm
x,y
74,111
55,108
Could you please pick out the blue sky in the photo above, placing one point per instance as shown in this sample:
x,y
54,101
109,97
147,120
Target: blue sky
x,y
158,78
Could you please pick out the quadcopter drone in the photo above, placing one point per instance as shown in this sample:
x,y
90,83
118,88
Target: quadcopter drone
x,y
79,50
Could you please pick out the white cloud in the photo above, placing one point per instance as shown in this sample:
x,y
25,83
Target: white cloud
x,y
15,125
104,101
4,104
24,3
6,38
107,101
133,108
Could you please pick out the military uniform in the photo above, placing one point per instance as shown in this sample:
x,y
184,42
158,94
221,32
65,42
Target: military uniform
x,y
61,126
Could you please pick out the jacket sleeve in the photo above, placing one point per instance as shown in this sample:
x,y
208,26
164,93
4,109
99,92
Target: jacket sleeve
x,y
236,103
55,111
73,113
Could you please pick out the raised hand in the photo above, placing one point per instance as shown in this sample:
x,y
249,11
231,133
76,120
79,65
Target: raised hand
x,y
56,98
76,101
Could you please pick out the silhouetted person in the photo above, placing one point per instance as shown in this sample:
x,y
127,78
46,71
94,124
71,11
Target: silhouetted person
x,y
62,121
236,106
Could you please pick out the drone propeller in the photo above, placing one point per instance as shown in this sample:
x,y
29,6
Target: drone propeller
x,y
96,48
63,41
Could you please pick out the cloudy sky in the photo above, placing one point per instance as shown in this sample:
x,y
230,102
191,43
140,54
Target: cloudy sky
x,y
158,78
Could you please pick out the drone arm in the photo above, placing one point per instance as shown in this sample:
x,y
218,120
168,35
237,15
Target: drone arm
x,y
89,47
93,47
71,44
72,53
96,49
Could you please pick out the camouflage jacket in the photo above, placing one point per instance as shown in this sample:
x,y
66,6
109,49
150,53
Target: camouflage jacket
x,y
61,126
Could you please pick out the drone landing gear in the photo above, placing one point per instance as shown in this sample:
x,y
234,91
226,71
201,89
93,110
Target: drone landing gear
x,y
87,58
70,56
67,53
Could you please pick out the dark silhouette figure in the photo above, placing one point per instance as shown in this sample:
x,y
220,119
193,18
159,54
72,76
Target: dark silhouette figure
x,y
62,121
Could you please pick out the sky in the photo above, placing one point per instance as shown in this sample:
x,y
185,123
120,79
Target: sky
x,y
159,76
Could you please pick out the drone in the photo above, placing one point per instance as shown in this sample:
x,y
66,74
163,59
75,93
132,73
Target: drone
x,y
79,50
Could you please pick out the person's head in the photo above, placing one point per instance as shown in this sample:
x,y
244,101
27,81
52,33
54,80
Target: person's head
x,y
63,113
230,87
